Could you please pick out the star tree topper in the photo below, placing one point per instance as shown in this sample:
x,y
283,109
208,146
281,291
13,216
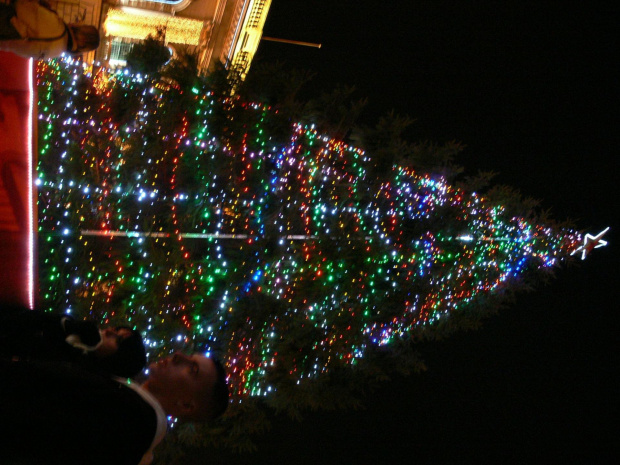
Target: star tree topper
x,y
591,242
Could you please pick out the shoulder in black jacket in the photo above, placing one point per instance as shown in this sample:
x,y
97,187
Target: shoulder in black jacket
x,y
55,412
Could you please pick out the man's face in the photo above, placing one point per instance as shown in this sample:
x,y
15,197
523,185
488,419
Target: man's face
x,y
181,381
110,340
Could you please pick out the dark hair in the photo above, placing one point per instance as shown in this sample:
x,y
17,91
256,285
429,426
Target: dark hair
x,y
82,38
220,393
129,359
215,400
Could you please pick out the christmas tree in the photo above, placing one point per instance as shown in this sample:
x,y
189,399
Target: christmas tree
x,y
221,226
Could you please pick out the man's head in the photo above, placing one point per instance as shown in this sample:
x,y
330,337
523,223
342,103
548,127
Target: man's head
x,y
111,339
83,38
190,387
121,351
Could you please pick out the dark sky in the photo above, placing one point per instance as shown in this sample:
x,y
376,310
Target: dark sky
x,y
531,88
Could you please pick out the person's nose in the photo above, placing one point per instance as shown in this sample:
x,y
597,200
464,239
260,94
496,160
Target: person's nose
x,y
123,333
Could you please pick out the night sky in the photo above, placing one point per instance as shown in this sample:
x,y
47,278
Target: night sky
x,y
531,88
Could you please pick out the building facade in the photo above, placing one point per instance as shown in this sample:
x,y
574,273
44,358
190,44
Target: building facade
x,y
226,31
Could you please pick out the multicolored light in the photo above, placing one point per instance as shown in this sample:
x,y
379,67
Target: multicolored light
x,y
281,254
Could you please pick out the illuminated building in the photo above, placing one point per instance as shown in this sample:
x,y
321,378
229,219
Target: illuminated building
x,y
226,31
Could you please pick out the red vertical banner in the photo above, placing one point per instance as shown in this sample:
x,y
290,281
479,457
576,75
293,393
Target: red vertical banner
x,y
17,170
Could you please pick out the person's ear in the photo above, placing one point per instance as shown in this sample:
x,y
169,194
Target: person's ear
x,y
186,406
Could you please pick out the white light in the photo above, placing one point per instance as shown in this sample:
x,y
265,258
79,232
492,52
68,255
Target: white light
x,y
590,243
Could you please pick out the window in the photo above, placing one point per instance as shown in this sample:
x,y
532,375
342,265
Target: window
x,y
120,49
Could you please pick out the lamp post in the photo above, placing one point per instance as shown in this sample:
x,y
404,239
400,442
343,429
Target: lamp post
x,y
294,42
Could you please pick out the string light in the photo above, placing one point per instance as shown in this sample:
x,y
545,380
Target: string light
x,y
282,254
134,23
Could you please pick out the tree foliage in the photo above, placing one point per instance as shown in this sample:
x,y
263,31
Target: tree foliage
x,y
232,226
149,55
